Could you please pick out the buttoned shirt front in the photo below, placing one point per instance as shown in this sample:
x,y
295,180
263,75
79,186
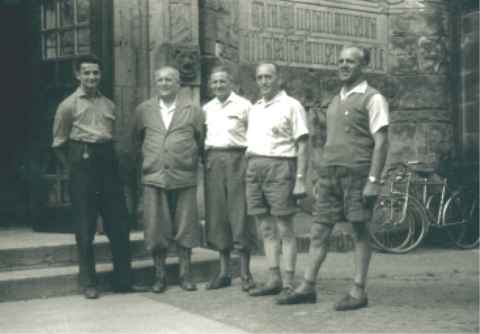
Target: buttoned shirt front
x,y
227,122
83,118
166,112
274,126
377,106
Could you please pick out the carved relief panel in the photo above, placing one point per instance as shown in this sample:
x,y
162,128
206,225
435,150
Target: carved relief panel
x,y
311,33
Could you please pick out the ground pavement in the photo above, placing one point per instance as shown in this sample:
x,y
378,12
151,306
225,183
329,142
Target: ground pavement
x,y
427,291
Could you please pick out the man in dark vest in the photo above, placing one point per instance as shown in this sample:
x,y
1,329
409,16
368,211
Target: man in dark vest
x,y
83,142
352,161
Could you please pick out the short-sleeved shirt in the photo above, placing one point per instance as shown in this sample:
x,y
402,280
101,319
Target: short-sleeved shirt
x,y
274,126
377,107
227,122
82,118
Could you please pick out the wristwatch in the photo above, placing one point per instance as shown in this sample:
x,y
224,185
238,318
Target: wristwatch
x,y
373,179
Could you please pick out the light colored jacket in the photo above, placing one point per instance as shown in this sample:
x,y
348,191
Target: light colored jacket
x,y
169,157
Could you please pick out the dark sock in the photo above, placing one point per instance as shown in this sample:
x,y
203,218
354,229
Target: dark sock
x,y
275,275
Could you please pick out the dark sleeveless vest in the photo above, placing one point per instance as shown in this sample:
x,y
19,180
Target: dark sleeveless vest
x,y
349,141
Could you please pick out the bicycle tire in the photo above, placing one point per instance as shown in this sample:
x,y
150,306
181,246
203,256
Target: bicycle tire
x,y
393,233
461,212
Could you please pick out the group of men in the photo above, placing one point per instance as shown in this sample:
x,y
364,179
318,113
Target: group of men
x,y
255,161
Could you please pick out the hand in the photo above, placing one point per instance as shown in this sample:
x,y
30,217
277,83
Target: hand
x,y
315,190
299,190
370,193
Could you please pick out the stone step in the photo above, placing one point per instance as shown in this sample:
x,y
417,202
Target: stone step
x,y
55,250
59,281
47,253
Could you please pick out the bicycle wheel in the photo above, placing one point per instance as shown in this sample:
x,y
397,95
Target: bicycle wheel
x,y
460,218
397,231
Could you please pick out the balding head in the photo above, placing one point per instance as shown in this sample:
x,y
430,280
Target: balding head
x,y
167,80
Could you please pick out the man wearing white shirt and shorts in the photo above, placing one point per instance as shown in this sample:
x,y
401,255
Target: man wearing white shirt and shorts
x,y
276,137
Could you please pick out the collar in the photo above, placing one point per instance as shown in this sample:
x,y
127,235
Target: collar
x,y
229,99
361,88
80,92
281,94
162,106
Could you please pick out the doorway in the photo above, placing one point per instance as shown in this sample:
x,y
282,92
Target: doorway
x,y
16,92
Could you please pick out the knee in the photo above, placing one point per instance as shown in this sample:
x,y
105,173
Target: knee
x,y
286,231
319,234
268,231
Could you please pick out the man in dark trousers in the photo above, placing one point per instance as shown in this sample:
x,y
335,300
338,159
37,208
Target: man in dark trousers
x,y
351,164
227,224
83,142
167,136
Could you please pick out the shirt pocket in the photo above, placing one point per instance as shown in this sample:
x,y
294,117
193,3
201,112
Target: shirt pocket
x,y
281,127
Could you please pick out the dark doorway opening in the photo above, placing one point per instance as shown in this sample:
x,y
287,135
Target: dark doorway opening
x,y
16,93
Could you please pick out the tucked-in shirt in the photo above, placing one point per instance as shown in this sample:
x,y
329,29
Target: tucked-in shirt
x,y
166,112
274,126
82,118
227,122
377,106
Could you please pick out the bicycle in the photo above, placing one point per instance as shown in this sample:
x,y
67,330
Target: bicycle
x,y
416,199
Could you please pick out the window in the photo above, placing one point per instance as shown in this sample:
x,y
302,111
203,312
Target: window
x,y
65,29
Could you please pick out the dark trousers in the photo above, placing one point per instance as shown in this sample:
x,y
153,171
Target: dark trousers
x,y
96,188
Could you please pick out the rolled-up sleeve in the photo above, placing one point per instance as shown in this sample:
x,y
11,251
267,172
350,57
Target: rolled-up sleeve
x,y
378,112
62,124
299,121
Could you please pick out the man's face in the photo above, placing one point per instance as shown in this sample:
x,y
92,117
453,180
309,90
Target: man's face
x,y
350,65
167,83
221,85
268,81
89,76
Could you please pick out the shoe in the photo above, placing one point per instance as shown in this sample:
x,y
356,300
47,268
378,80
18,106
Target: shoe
x,y
248,283
219,282
160,285
293,297
349,302
91,292
187,284
266,290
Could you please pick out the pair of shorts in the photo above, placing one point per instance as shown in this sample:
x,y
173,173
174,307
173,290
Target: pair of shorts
x,y
227,224
170,215
340,196
270,183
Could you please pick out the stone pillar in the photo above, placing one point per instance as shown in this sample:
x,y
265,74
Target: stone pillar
x,y
469,97
422,120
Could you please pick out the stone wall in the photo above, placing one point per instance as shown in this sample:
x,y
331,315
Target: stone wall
x,y
469,104
410,60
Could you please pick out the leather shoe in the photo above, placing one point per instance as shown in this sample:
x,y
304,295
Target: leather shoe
x,y
349,302
266,290
187,284
160,285
292,297
248,283
91,292
219,282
